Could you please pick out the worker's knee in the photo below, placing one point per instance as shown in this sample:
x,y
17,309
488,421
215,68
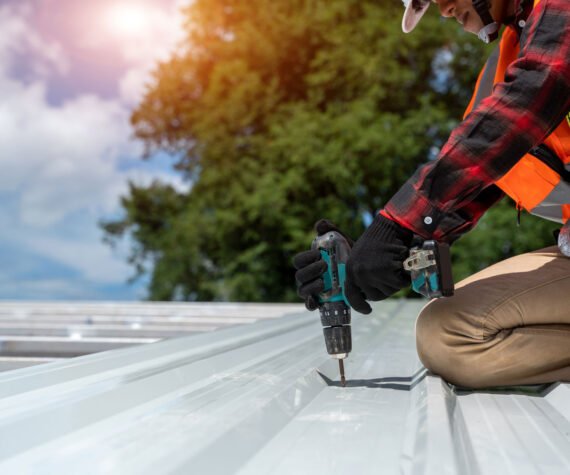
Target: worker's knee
x,y
442,344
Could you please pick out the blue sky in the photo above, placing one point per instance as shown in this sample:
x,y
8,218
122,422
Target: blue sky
x,y
70,74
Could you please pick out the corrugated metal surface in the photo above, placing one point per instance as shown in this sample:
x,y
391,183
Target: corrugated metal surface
x,y
37,332
264,398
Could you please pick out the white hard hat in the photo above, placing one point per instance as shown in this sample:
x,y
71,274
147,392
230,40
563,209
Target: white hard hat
x,y
415,9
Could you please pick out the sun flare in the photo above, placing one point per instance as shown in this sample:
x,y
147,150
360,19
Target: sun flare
x,y
128,19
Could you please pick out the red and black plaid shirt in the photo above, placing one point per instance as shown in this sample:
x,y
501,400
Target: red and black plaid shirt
x,y
445,198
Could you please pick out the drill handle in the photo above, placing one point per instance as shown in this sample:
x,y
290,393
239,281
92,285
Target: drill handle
x,y
335,251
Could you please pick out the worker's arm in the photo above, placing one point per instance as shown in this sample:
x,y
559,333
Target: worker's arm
x,y
445,198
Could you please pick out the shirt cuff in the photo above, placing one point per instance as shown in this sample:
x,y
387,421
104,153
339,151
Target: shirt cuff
x,y
412,211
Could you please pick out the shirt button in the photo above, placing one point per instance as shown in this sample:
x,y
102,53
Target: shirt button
x,y
522,23
428,220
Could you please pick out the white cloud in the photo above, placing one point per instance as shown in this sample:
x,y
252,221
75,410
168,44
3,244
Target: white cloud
x,y
61,161
132,84
43,289
16,37
58,288
95,263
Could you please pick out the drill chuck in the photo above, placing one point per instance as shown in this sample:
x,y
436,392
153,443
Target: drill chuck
x,y
335,318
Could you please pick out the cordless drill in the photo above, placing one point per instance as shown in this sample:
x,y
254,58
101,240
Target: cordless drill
x,y
333,304
429,266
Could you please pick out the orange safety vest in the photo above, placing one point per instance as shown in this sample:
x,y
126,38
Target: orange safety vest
x,y
539,185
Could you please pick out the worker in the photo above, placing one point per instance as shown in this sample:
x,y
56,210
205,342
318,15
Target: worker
x,y
508,324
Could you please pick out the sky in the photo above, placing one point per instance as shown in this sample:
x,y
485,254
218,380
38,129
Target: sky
x,y
71,72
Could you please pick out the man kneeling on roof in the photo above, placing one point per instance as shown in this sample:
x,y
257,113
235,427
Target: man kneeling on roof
x,y
508,324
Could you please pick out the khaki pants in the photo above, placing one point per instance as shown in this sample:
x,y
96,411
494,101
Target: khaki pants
x,y
506,325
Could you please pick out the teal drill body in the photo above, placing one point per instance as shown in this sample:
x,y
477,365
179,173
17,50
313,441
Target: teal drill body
x,y
333,304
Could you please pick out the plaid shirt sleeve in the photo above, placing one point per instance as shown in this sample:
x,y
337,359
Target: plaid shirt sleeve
x,y
445,198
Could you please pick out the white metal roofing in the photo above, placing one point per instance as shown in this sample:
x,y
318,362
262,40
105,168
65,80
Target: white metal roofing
x,y
38,332
264,398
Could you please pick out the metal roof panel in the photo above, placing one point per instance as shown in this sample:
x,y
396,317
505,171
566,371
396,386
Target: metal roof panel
x,y
265,398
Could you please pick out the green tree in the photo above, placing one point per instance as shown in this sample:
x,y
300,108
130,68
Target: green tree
x,y
283,112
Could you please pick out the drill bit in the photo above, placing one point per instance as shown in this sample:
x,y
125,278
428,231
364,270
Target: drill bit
x,y
341,368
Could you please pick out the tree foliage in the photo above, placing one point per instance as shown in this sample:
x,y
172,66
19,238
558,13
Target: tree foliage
x,y
283,112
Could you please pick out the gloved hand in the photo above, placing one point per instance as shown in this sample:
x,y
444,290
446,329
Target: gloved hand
x,y
375,270
311,267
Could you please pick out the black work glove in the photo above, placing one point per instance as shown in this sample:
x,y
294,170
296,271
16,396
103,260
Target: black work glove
x,y
311,267
375,267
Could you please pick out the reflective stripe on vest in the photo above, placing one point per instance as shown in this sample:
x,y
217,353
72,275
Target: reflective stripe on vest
x,y
532,184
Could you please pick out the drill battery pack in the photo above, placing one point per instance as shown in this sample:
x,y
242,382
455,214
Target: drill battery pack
x,y
430,269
